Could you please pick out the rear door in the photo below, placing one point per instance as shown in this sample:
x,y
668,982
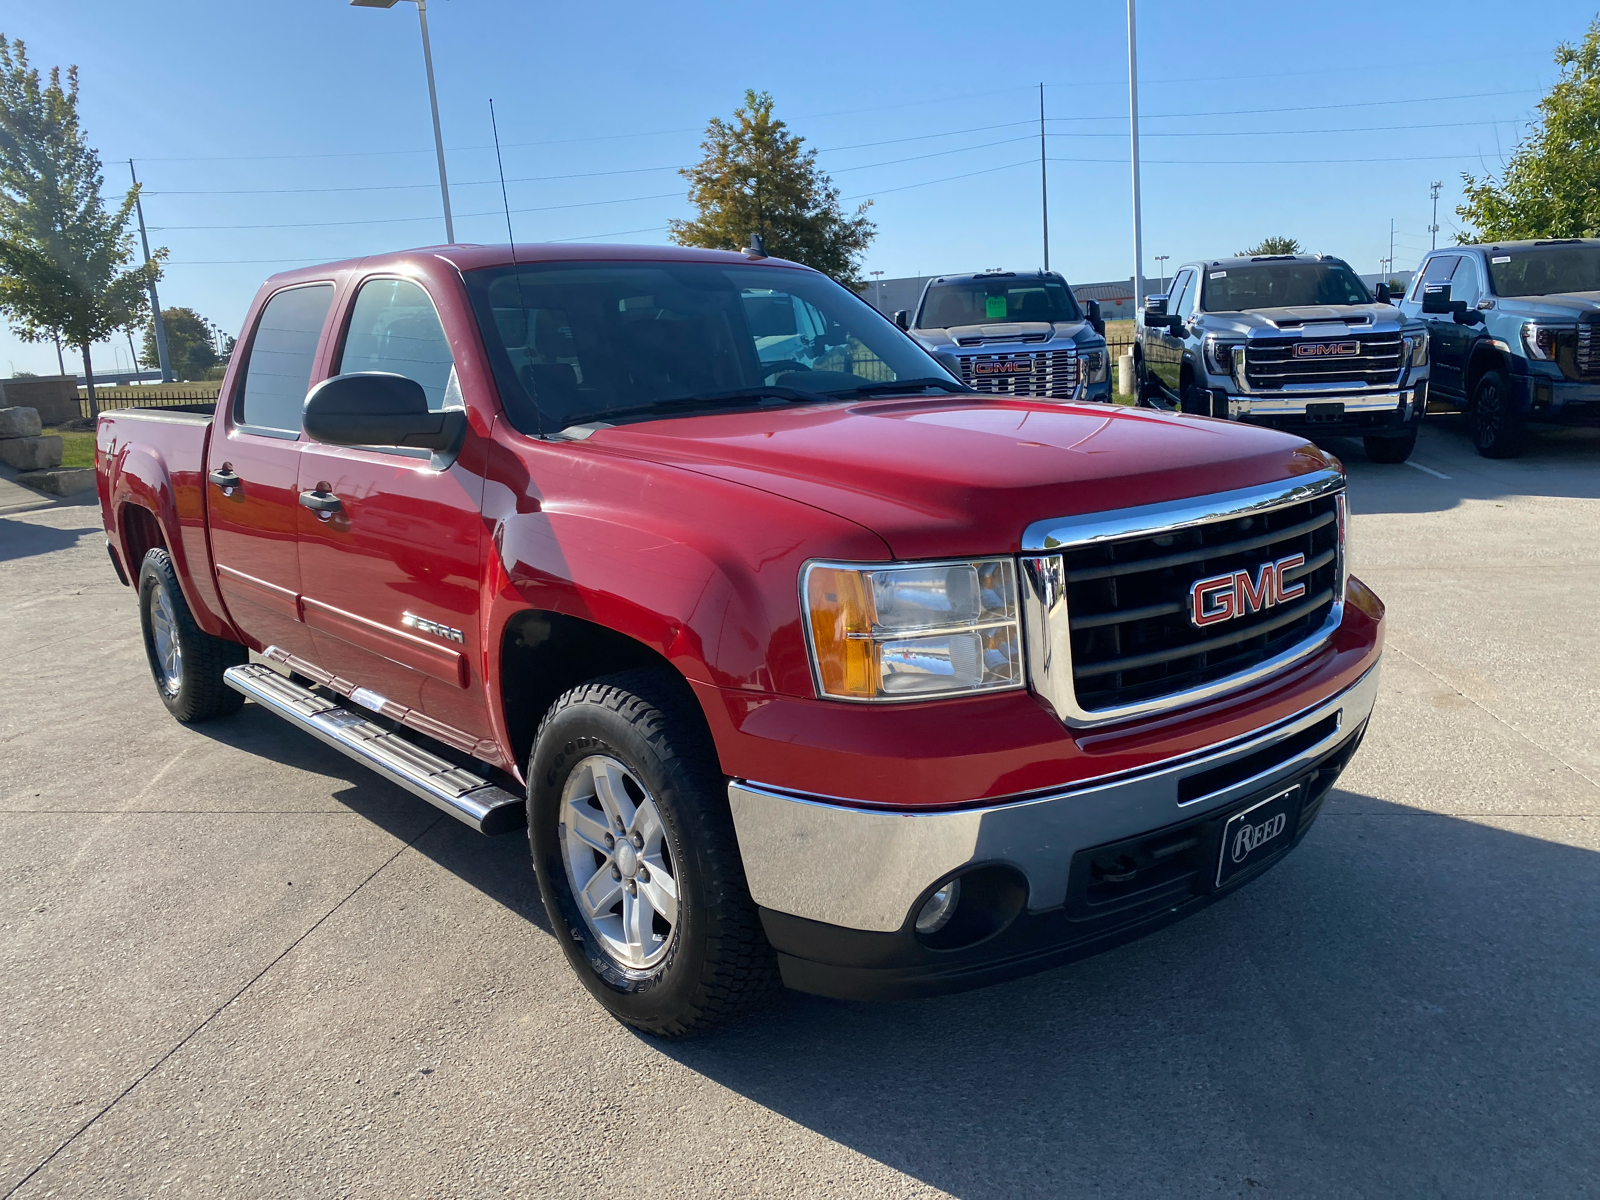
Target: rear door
x,y
253,468
391,578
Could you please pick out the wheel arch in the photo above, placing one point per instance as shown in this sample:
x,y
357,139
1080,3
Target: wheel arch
x,y
1485,357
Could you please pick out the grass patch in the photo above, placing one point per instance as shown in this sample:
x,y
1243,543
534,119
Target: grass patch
x,y
77,446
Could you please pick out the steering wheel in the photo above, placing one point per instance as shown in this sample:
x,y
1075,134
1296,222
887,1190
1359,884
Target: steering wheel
x,y
781,367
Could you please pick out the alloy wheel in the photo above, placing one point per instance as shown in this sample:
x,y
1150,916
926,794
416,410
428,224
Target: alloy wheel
x,y
164,629
618,862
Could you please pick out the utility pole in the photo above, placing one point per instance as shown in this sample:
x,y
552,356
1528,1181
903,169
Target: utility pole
x,y
1391,245
1433,190
155,301
1044,183
1133,125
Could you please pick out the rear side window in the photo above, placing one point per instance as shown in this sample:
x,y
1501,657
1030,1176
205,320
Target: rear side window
x,y
277,376
394,328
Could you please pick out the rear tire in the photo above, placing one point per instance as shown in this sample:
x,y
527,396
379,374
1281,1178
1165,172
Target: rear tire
x,y
661,930
186,662
1497,428
1391,449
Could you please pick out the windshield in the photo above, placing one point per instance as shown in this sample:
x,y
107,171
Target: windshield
x,y
1544,270
984,303
1281,285
577,342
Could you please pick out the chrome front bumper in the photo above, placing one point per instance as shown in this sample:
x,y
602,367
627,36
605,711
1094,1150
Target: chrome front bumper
x,y
1293,404
870,869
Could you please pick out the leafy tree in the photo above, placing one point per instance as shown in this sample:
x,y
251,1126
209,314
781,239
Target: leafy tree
x,y
1551,186
64,259
756,177
1272,245
189,347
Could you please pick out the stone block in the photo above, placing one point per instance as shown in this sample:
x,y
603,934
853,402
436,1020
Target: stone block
x,y
68,481
31,453
54,396
19,422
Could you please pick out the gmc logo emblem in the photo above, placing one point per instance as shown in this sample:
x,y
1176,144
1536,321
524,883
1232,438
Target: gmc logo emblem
x,y
1224,597
1010,366
1327,349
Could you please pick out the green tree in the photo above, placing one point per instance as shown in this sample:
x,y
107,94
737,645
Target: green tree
x,y
1272,245
1551,186
757,177
189,347
64,259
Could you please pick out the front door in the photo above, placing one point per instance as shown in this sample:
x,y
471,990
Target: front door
x,y
252,471
391,577
1448,340
1169,366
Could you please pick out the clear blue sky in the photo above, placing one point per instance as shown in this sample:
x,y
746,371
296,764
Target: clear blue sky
x,y
256,126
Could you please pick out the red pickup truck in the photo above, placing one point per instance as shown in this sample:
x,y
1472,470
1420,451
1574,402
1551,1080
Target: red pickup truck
x,y
800,662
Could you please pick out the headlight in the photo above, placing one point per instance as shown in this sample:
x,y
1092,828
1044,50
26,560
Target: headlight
x,y
913,631
1094,364
1417,349
1540,340
1219,356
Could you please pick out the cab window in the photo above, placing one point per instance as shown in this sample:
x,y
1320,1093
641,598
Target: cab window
x,y
1438,269
277,375
394,328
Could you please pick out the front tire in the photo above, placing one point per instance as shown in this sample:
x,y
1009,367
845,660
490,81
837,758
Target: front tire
x,y
634,849
1391,449
1497,428
186,662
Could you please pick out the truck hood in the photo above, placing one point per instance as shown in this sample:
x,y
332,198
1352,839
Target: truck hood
x,y
954,477
1001,333
1363,318
1564,306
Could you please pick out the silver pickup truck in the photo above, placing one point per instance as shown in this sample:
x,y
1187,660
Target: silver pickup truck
x,y
1291,341
1013,333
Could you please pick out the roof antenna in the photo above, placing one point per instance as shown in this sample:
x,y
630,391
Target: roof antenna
x,y
757,247
512,239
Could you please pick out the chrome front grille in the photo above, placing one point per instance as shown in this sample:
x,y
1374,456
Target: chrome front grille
x,y
1029,373
1278,362
1123,611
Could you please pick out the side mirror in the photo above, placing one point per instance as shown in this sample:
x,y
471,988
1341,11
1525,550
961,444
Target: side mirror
x,y
1436,300
902,318
1383,294
1155,310
377,408
1465,315
1096,321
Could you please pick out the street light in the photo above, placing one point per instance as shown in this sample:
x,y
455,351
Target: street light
x,y
433,101
879,282
1161,261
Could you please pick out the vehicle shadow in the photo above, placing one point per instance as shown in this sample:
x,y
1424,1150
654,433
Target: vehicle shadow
x,y
24,539
1406,1005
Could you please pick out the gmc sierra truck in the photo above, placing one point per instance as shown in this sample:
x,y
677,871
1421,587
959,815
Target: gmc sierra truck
x,y
800,662
1289,341
1513,330
1014,333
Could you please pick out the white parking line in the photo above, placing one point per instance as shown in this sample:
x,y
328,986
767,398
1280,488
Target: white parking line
x,y
1429,470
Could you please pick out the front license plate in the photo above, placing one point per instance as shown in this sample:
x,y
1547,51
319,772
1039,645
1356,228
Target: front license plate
x,y
1325,412
1256,834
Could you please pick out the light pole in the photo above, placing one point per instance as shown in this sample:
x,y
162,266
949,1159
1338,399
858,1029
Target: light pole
x,y
433,101
1133,127
878,285
1161,263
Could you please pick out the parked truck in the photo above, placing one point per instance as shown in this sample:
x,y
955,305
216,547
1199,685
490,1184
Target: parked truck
x,y
1513,330
801,662
1289,341
1014,333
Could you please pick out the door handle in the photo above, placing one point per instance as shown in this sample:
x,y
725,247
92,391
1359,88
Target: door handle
x,y
324,504
225,478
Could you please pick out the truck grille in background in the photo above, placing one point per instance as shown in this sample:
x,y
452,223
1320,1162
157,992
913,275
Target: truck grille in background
x,y
1128,602
1270,363
1047,373
1588,351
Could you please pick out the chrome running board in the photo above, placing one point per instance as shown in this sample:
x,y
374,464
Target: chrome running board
x,y
465,796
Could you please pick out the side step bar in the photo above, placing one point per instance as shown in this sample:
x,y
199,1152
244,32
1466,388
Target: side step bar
x,y
465,796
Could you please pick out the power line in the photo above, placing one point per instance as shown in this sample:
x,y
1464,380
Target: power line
x,y
405,220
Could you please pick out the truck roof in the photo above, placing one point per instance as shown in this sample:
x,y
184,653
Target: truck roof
x,y
1524,244
470,257
984,276
1245,260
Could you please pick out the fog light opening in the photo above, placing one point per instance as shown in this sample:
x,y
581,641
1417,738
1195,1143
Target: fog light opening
x,y
940,907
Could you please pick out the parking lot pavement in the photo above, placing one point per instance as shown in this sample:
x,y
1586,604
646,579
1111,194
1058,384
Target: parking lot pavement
x,y
234,964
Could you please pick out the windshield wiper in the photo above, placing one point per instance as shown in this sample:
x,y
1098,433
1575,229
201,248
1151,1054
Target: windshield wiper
x,y
731,398
905,385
